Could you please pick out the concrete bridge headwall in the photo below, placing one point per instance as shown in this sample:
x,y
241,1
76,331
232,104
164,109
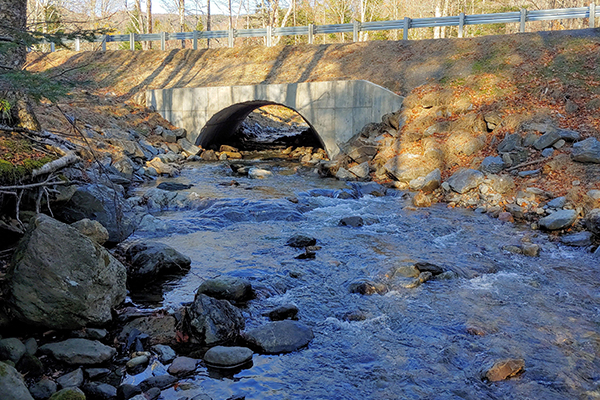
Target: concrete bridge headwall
x,y
336,110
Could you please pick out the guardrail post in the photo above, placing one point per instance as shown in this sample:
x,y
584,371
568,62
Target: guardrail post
x,y
311,33
405,28
131,41
355,27
103,43
195,40
592,18
77,44
523,19
230,37
269,36
52,47
461,25
163,41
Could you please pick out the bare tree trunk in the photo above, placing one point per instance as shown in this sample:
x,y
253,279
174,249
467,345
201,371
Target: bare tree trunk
x,y
149,22
13,20
208,21
182,20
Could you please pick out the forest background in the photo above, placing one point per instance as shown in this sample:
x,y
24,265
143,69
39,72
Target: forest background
x,y
126,16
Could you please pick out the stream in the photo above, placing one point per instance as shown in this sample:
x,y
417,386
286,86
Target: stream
x,y
409,343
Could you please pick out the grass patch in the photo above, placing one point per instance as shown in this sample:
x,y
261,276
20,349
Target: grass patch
x,y
18,159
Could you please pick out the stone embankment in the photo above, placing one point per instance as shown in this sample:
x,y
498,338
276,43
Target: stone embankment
x,y
518,168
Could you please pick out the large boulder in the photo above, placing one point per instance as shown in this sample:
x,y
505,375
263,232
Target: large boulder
x,y
100,203
587,151
214,321
149,260
407,167
12,385
61,279
465,179
279,337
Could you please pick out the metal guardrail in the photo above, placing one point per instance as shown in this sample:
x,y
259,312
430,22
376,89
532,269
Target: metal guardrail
x,y
520,17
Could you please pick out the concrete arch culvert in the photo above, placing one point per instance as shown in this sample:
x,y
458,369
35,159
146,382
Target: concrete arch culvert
x,y
336,110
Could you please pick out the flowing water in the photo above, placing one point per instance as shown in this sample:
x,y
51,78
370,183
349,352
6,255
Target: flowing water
x,y
407,343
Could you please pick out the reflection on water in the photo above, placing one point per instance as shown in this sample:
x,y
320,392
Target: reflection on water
x,y
408,343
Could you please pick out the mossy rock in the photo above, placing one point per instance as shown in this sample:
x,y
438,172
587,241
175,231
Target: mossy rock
x,y
71,393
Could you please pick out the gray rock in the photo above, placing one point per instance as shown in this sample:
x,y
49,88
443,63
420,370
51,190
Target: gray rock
x,y
492,165
182,366
160,382
579,239
227,288
428,267
99,391
92,229
150,260
173,186
559,144
152,394
569,135
214,321
530,139
11,349
300,241
12,386
160,328
209,155
361,171
127,391
189,147
82,281
72,379
465,179
510,143
258,173
547,140
227,357
79,351
164,353
558,202
31,346
427,183
279,337
102,204
288,311
547,152
354,222
96,373
71,393
532,172
136,362
501,183
515,210
592,221
406,167
587,151
559,220
95,333
43,389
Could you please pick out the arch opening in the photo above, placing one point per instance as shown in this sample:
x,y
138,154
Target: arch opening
x,y
257,126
